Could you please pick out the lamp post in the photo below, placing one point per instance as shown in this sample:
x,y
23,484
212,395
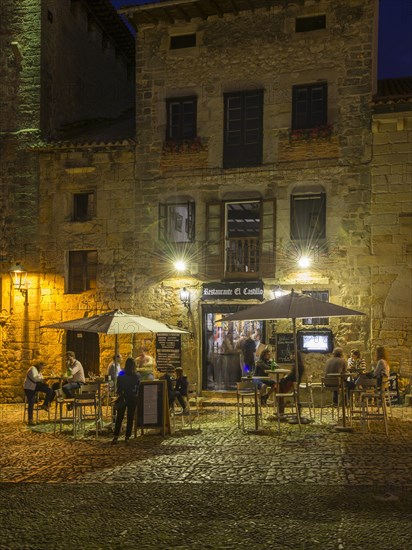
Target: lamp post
x,y
19,281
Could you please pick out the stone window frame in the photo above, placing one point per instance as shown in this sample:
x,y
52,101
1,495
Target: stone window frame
x,y
82,271
309,111
310,23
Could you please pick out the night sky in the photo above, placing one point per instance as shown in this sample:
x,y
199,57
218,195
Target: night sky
x,y
395,36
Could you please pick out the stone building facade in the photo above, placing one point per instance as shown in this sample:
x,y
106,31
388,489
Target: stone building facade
x,y
259,139
63,65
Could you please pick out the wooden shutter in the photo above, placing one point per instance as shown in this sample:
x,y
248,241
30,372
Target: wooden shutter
x,y
213,260
268,238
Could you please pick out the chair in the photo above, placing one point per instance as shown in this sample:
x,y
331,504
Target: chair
x,y
85,408
307,387
374,406
192,398
36,407
330,385
290,399
246,394
65,407
363,385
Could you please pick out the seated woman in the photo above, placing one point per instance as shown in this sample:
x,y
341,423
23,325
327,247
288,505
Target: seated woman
x,y
262,365
381,371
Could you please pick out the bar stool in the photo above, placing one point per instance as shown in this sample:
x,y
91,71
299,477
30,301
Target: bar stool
x,y
245,403
306,386
85,408
374,407
36,407
327,387
290,399
65,407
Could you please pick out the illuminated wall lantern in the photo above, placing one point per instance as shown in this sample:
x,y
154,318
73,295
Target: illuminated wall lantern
x,y
185,298
180,265
19,281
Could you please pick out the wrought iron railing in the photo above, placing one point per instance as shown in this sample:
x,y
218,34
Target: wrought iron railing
x,y
242,255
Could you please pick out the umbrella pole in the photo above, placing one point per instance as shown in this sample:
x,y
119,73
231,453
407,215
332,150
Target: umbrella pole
x,y
295,349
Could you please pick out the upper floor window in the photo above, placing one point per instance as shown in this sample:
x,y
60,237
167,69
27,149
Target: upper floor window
x,y
183,41
312,23
83,206
308,217
309,105
323,296
181,118
243,129
82,270
177,221
242,235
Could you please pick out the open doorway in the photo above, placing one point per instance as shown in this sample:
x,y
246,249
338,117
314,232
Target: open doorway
x,y
229,349
86,347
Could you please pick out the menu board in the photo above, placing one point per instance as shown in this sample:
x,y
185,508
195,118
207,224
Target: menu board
x,y
284,348
168,351
152,406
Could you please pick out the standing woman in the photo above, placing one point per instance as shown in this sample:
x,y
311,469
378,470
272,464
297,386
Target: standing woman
x,y
127,390
382,365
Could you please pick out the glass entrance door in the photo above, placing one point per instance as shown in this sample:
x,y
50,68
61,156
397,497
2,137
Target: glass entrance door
x,y
229,349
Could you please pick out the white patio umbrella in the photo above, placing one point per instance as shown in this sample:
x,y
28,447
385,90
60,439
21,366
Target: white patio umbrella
x,y
291,306
117,322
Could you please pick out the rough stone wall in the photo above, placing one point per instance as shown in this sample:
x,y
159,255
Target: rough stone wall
x,y
28,49
391,231
83,77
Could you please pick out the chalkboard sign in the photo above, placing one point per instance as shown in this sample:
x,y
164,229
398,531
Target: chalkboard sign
x,y
152,406
284,348
168,351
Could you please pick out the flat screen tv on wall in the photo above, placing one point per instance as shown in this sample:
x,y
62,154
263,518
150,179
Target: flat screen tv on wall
x,y
315,341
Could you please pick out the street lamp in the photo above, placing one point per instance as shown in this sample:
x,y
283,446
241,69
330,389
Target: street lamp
x,y
19,281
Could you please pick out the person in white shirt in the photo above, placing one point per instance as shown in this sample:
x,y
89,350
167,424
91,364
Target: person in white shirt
x,y
76,378
115,367
34,383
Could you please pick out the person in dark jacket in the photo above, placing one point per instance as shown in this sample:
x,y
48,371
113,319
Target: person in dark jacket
x,y
127,390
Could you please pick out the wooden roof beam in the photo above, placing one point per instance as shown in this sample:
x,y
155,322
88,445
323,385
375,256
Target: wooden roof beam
x,y
218,10
183,14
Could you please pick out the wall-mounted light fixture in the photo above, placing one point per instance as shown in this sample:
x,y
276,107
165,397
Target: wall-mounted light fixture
x,y
304,262
180,265
19,281
279,292
185,298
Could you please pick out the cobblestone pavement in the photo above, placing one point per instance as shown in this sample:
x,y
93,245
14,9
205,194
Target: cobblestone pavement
x,y
213,487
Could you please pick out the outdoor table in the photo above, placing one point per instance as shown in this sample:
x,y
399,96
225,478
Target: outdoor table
x,y
277,373
341,377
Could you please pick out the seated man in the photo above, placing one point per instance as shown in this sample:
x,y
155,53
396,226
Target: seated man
x,y
74,376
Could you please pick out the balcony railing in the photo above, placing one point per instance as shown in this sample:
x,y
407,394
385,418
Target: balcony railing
x,y
242,255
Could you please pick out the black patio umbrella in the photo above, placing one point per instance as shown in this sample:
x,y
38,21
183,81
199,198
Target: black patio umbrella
x,y
291,306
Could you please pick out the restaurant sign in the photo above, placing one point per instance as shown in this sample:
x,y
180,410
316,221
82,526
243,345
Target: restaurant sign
x,y
252,290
